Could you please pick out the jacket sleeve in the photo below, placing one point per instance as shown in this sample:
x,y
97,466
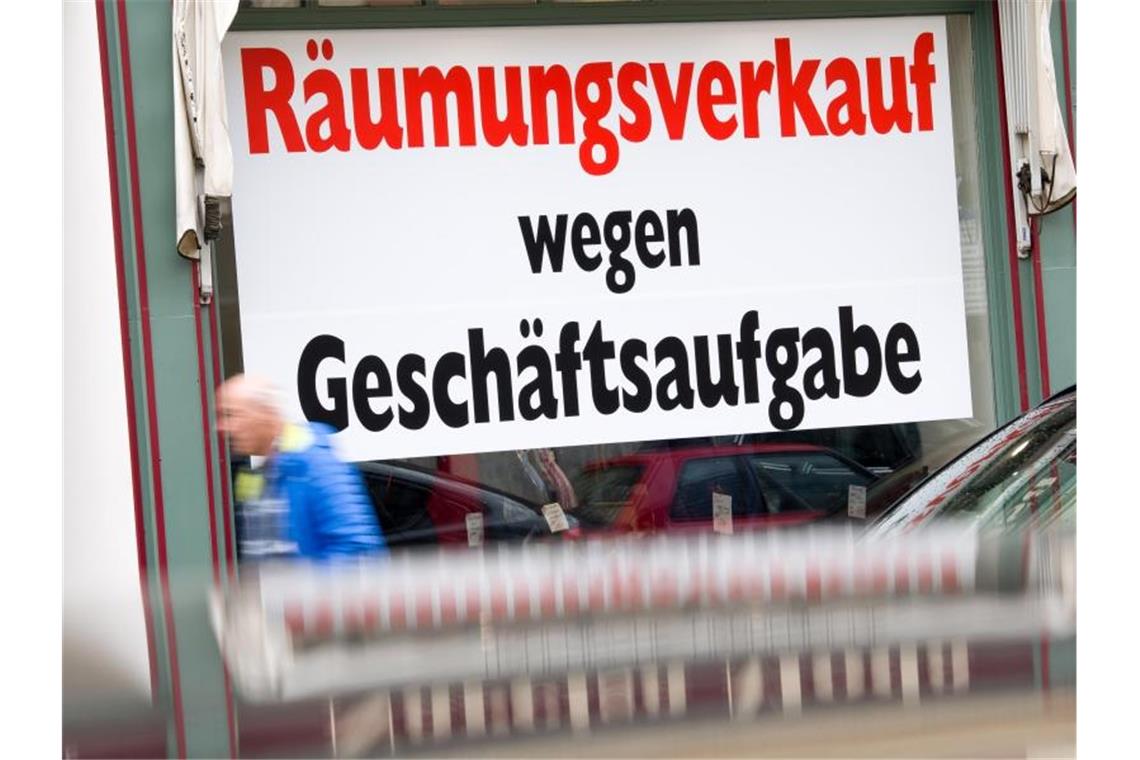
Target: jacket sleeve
x,y
342,517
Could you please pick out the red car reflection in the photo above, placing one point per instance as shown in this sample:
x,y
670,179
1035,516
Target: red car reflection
x,y
769,485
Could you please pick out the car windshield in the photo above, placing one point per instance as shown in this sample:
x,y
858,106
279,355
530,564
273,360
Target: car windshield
x,y
1025,472
603,491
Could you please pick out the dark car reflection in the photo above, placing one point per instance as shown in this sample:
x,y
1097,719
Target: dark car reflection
x,y
672,487
426,507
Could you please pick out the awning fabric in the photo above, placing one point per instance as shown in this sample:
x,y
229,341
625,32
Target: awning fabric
x,y
203,159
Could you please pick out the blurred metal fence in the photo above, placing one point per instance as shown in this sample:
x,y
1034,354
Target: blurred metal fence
x,y
423,649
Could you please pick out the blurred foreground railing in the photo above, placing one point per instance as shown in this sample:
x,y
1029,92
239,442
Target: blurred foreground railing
x,y
458,645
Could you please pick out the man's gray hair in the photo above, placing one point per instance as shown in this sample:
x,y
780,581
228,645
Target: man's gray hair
x,y
256,389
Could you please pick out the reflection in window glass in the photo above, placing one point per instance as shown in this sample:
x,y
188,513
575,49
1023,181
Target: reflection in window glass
x,y
603,492
1022,475
701,478
401,508
598,483
1036,472
817,480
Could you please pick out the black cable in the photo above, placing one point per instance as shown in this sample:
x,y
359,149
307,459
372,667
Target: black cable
x,y
1052,183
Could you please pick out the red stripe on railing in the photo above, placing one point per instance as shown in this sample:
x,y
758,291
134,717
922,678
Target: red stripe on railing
x,y
294,616
949,579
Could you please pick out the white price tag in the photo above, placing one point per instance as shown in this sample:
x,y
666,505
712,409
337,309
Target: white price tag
x,y
857,501
475,529
722,513
555,517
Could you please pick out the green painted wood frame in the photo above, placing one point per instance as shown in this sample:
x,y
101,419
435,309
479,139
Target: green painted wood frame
x,y
170,360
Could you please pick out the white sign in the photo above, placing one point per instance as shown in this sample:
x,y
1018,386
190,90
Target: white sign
x,y
857,501
555,518
457,240
722,513
474,522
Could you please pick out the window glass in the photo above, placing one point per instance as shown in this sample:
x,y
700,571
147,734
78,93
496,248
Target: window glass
x,y
1025,475
603,491
701,478
508,520
1045,496
816,479
1022,473
596,482
401,508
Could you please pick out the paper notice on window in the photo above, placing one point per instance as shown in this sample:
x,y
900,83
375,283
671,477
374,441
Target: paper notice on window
x,y
475,529
722,513
857,501
555,517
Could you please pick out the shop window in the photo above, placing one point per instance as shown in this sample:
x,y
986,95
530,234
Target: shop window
x,y
604,479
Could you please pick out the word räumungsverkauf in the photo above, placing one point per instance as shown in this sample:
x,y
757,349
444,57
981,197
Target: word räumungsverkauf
x,y
383,107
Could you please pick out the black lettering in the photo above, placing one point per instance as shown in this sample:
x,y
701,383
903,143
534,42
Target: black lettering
x,y
748,348
596,351
820,378
371,380
484,363
618,222
585,232
850,341
639,400
902,333
407,368
685,220
450,365
783,369
535,357
316,351
568,363
649,230
554,244
725,388
672,348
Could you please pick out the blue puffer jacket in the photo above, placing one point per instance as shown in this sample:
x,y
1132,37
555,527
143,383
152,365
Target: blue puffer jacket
x,y
330,513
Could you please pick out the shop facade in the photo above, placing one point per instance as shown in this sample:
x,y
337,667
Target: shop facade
x,y
174,331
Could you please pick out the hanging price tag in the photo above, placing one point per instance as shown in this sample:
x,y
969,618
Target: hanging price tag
x,y
555,517
475,529
722,513
857,501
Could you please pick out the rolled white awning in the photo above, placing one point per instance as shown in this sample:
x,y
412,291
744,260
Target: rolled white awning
x,y
203,158
1043,173
1052,139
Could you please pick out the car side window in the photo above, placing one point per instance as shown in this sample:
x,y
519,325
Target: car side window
x,y
700,478
401,508
508,521
815,480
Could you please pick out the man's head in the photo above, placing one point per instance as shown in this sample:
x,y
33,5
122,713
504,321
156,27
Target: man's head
x,y
249,415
